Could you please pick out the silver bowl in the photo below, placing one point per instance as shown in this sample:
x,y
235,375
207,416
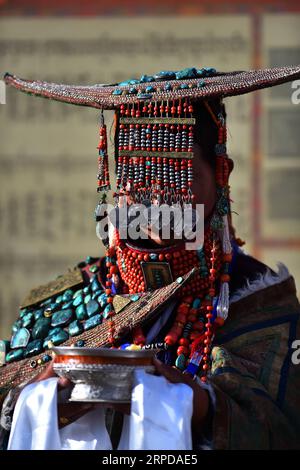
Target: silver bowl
x,y
101,374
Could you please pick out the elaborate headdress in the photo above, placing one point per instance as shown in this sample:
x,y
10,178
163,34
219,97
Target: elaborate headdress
x,y
154,151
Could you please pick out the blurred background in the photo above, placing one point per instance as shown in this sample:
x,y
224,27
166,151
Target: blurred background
x,y
48,156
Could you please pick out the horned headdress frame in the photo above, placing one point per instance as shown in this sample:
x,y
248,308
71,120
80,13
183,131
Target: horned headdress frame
x,y
192,83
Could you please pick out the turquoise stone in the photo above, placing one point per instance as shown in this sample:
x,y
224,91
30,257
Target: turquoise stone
x,y
165,75
180,362
62,317
134,297
94,268
201,84
46,358
96,294
186,73
68,295
153,256
146,78
117,91
133,81
45,342
54,306
210,70
33,348
41,328
201,73
16,326
20,339
87,298
78,292
95,285
107,311
80,343
179,280
38,314
67,305
184,86
46,302
102,299
168,87
88,259
54,331
133,91
4,348
59,299
81,312
144,96
92,322
15,355
150,89
92,308
23,312
196,303
28,320
75,328
59,337
86,290
78,300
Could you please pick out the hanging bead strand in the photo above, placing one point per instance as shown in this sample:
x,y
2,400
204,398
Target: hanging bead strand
x,y
209,308
103,170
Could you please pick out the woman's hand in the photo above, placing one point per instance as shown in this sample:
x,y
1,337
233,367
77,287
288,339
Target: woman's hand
x,y
67,412
200,396
70,412
47,373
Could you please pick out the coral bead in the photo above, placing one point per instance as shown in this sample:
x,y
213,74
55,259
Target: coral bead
x,y
182,350
184,342
113,269
170,340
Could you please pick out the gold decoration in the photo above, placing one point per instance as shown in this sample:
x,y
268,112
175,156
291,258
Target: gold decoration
x,y
156,120
120,302
72,278
152,270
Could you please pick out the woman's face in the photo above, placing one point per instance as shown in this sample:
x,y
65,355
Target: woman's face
x,y
204,184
